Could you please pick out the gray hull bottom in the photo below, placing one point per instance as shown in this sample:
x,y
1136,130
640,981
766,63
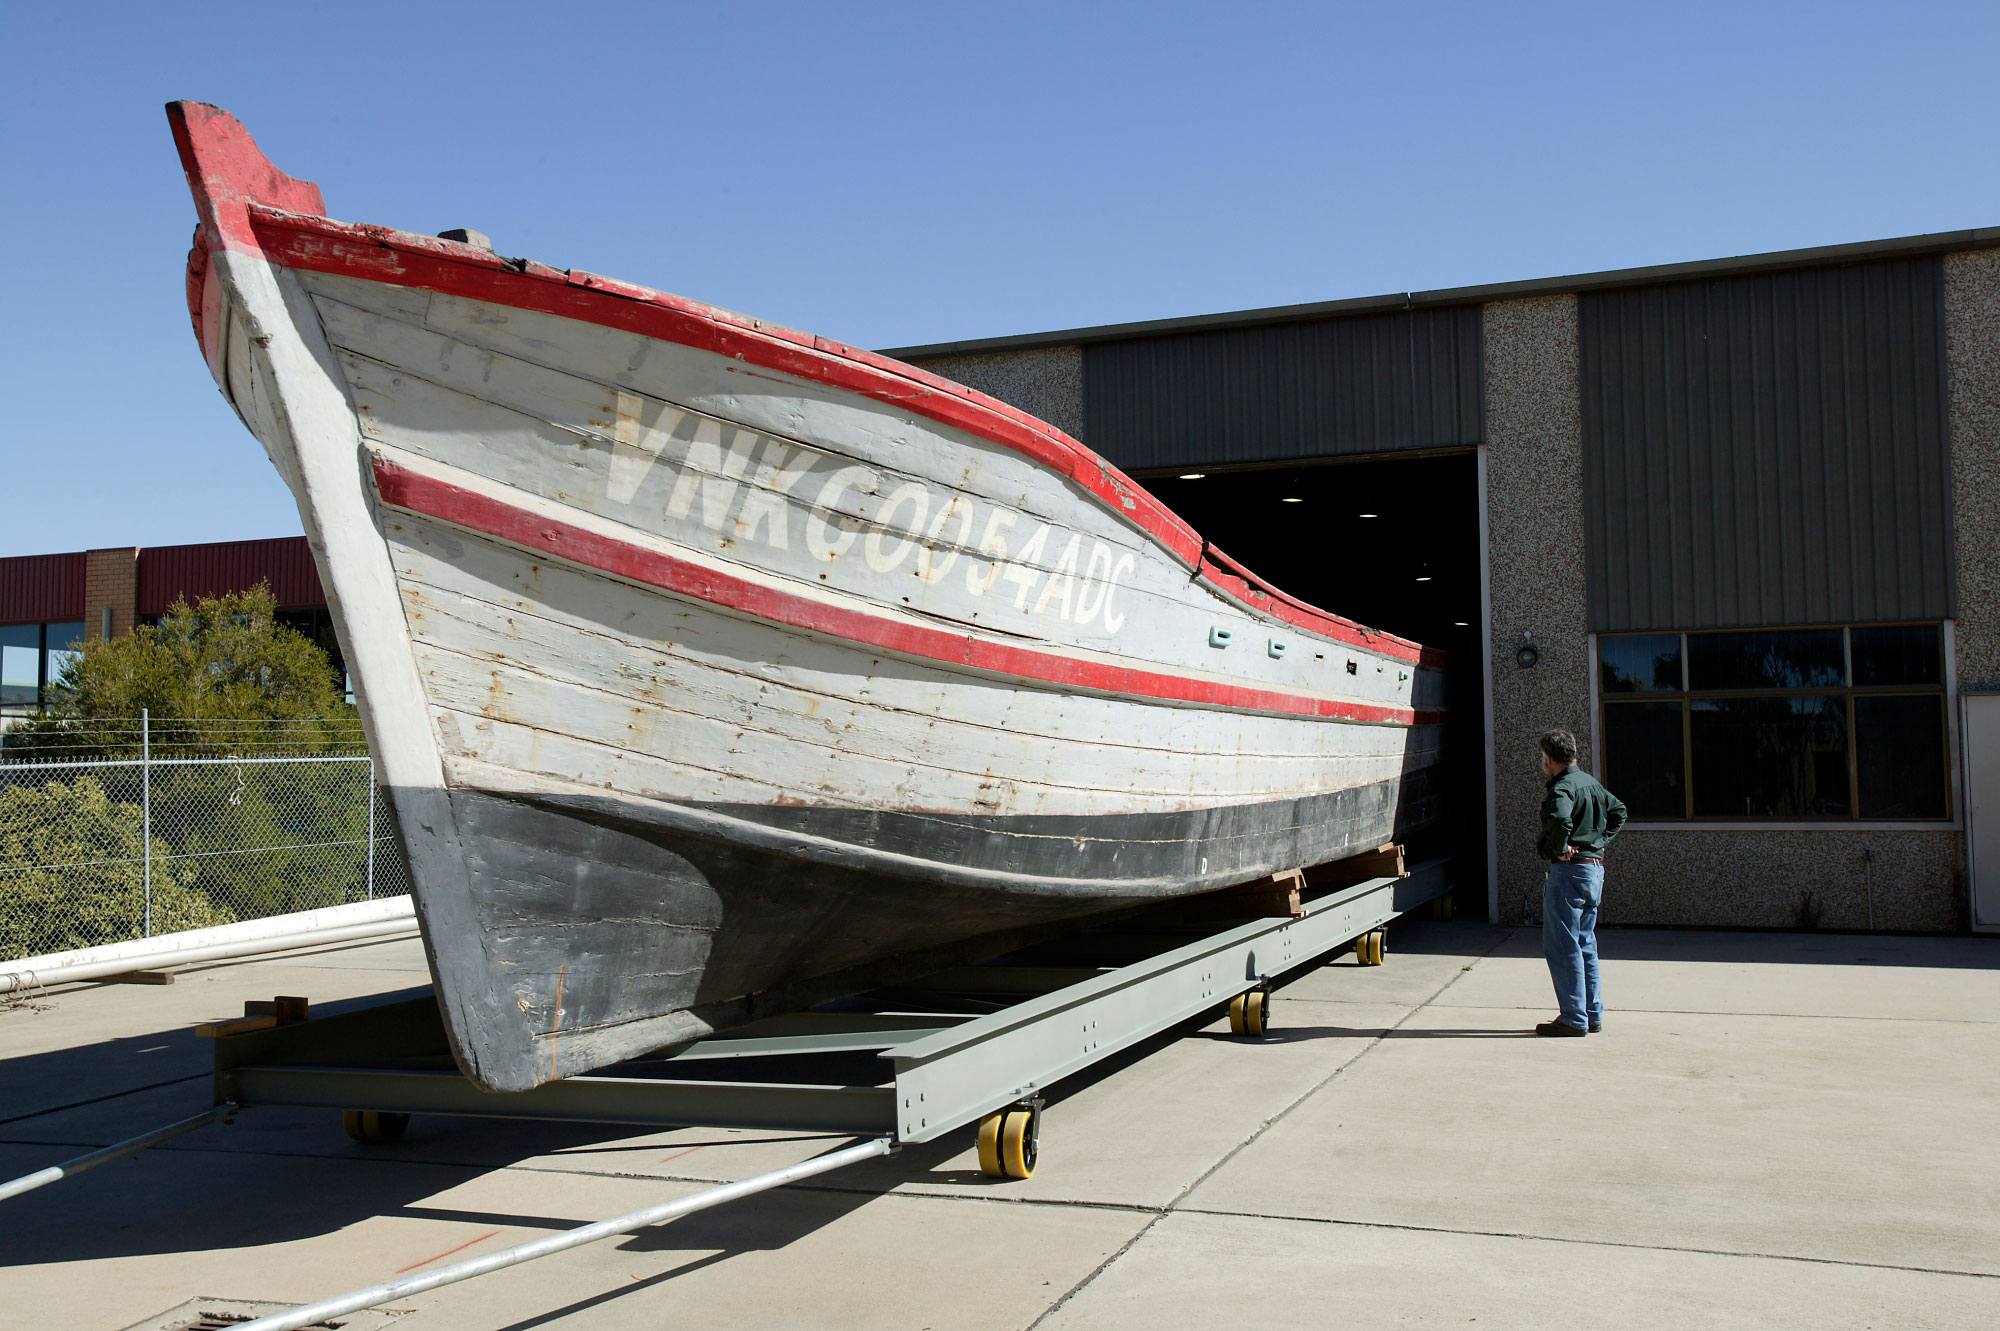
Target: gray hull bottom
x,y
588,929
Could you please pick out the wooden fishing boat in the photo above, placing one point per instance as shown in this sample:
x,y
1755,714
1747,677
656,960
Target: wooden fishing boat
x,y
713,666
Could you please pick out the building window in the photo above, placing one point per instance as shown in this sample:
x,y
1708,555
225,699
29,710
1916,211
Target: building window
x,y
1784,724
31,659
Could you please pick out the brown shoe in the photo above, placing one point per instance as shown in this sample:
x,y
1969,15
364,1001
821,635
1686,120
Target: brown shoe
x,y
1558,1028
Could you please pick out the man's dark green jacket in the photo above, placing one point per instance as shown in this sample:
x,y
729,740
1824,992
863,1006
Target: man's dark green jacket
x,y
1578,812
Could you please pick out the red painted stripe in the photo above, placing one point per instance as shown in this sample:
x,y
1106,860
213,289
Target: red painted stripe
x,y
402,488
247,204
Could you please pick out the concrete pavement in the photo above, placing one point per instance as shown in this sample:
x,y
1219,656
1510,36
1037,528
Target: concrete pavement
x,y
1773,1130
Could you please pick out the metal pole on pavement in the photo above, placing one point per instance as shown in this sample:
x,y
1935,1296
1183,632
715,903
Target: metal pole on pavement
x,y
574,1238
43,1177
146,809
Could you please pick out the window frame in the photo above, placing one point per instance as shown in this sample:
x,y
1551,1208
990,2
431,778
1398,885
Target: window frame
x,y
1847,691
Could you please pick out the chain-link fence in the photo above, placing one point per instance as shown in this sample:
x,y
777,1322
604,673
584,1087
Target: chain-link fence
x,y
172,835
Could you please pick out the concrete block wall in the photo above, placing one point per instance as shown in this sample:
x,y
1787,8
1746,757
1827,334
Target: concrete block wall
x,y
1045,382
1534,513
1972,361
110,582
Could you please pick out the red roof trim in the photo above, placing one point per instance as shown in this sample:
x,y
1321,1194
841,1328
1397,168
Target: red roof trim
x,y
416,493
251,206
168,573
40,588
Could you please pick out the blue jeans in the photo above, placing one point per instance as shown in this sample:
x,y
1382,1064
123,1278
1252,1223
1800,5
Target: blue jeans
x,y
1570,896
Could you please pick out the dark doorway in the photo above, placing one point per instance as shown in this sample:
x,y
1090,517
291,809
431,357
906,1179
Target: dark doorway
x,y
1394,544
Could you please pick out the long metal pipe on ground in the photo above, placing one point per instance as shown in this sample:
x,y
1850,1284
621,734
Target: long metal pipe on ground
x,y
117,1151
338,924
376,1295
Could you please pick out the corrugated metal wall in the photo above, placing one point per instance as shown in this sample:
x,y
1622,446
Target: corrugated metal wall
x,y
1767,449
1359,384
38,588
228,566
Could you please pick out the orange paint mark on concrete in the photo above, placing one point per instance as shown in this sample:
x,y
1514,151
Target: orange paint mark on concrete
x,y
438,1257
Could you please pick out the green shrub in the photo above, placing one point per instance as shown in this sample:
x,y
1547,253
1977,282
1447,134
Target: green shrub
x,y
71,872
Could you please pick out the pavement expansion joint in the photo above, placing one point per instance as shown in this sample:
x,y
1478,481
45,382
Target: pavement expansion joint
x,y
1262,1128
1624,1011
1745,1254
109,1095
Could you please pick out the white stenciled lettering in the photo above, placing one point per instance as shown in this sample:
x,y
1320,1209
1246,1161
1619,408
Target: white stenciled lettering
x,y
820,537
1062,582
766,501
881,557
1096,579
715,474
636,446
994,543
1021,570
929,567
1126,563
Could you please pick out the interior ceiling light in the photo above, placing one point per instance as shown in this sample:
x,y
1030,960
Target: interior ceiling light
x,y
1193,475
1459,623
1425,578
1289,500
1367,515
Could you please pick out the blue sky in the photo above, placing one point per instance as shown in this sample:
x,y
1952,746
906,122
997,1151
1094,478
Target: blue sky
x,y
898,174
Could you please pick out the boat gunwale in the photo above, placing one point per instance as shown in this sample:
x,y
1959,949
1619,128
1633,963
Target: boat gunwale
x,y
242,196
607,302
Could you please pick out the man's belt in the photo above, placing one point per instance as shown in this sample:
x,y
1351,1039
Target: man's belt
x,y
1582,859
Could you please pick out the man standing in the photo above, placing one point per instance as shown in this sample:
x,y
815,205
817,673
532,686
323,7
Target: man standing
x,y
1579,818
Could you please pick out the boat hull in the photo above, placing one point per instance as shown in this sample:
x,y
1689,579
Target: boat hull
x,y
666,922
712,667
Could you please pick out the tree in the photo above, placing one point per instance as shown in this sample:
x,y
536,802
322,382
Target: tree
x,y
72,872
224,679
226,660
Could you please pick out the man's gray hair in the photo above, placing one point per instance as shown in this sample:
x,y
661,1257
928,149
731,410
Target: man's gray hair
x,y
1559,745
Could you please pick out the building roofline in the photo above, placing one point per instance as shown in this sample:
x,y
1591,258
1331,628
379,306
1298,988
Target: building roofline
x,y
1901,247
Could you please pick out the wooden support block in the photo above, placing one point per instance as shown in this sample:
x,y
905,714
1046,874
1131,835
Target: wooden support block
x,y
259,1014
1280,894
139,977
1382,862
216,1030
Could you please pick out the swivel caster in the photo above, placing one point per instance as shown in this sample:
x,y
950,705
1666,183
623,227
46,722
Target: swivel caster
x,y
1369,947
1010,1141
373,1125
1250,1013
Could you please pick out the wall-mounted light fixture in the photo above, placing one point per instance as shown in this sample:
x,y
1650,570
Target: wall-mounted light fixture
x,y
1527,654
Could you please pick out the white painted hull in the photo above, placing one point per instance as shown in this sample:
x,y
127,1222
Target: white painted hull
x,y
709,663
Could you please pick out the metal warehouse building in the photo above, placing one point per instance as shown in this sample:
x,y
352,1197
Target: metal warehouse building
x,y
1736,523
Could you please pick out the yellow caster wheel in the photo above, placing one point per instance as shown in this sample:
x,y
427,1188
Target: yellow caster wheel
x,y
1250,1014
1368,948
370,1125
1009,1143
